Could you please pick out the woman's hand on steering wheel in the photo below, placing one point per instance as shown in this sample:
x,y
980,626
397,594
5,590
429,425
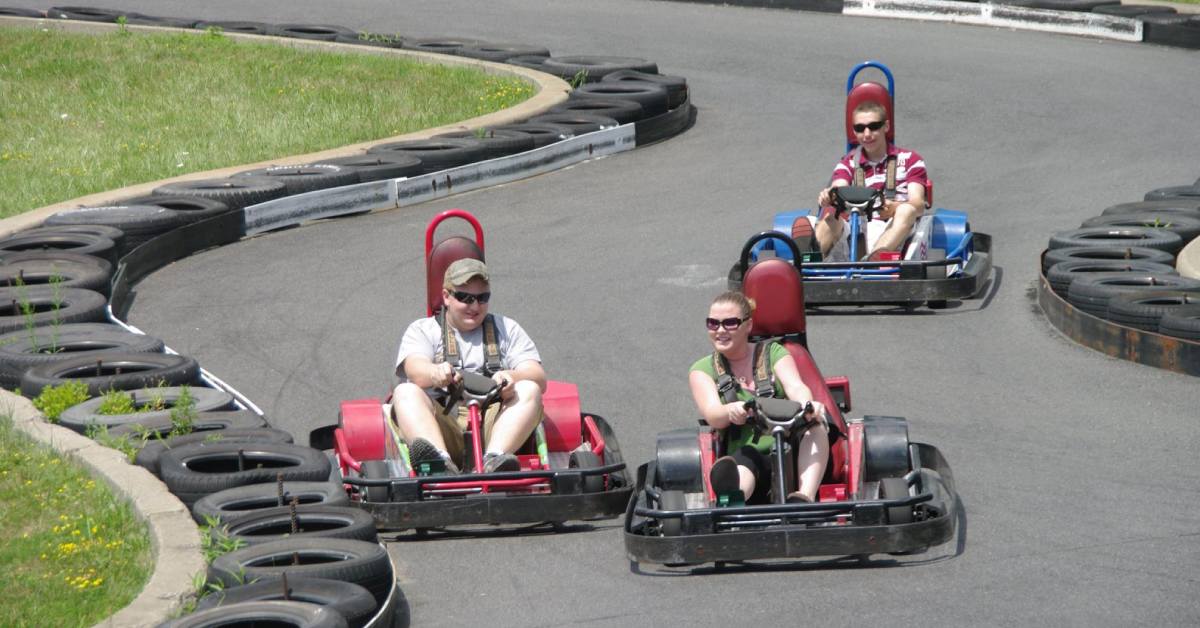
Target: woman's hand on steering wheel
x,y
736,412
815,413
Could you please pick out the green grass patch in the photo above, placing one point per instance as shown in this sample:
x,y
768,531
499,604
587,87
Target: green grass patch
x,y
90,113
74,553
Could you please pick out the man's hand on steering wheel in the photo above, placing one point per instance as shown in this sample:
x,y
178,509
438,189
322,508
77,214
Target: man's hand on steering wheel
x,y
505,380
443,375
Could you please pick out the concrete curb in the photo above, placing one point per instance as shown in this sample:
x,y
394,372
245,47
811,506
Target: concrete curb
x,y
551,91
174,536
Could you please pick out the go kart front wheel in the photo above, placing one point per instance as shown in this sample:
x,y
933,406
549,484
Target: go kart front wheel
x,y
376,470
671,500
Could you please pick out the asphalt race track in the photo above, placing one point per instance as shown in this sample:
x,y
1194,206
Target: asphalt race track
x,y
1077,471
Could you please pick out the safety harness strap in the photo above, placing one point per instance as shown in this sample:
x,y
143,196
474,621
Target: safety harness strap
x,y
493,362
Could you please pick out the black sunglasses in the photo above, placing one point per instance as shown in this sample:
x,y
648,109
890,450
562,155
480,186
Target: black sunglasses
x,y
874,126
729,324
468,298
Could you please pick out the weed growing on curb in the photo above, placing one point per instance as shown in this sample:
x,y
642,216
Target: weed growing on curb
x,y
579,79
215,539
54,400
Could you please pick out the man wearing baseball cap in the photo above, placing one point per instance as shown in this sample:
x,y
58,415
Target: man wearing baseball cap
x,y
433,432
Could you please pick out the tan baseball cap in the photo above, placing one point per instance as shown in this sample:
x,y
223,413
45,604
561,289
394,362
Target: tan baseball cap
x,y
461,271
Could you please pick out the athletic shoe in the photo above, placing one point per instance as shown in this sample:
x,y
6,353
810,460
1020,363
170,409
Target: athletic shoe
x,y
724,476
495,463
422,450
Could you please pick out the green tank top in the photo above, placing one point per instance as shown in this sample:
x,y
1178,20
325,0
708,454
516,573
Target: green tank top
x,y
743,436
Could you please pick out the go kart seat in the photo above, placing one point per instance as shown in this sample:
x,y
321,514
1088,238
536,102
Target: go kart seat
x,y
869,91
777,289
442,255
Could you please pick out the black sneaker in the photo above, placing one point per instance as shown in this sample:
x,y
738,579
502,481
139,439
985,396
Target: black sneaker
x,y
724,476
495,463
421,450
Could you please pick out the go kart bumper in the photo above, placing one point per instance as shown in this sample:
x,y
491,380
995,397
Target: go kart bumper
x,y
797,530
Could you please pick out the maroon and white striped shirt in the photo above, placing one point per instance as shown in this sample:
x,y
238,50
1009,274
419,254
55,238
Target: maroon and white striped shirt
x,y
910,168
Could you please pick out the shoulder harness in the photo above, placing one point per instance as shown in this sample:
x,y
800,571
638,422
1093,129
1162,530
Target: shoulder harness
x,y
491,347
889,186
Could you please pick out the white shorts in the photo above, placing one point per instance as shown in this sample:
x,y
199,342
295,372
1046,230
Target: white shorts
x,y
841,250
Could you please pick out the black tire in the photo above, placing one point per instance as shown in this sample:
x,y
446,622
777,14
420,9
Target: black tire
x,y
652,97
579,123
1181,323
619,109
1059,5
87,14
162,22
596,67
1133,10
376,470
1185,205
365,564
188,209
81,416
1102,253
497,143
676,86
274,613
1186,226
896,488
104,231
1171,30
99,262
65,274
78,243
885,447
234,502
1092,293
139,222
23,349
196,470
49,306
15,12
202,422
1062,274
500,53
379,40
150,455
113,371
1145,311
378,167
317,32
353,602
533,62
1187,192
671,500
588,460
440,45
232,26
306,178
1118,237
236,193
323,522
435,154
542,134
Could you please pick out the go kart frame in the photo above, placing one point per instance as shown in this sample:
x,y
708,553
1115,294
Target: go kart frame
x,y
943,259
571,466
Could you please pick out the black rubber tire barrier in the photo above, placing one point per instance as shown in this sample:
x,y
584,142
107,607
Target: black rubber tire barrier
x,y
306,178
15,12
496,143
596,67
162,22
278,614
1182,205
1133,10
234,502
1062,274
1171,30
533,62
104,231
579,123
1175,192
81,243
676,86
150,455
188,208
435,154
377,40
313,522
378,166
1186,225
233,26
1106,253
104,265
543,134
365,564
139,222
352,601
1091,293
87,14
80,417
63,273
199,469
316,32
49,306
22,350
203,422
1058,5
236,193
619,109
1145,311
501,52
440,45
653,98
1182,323
1118,237
117,371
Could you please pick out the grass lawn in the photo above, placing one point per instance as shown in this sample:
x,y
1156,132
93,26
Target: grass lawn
x,y
89,113
73,552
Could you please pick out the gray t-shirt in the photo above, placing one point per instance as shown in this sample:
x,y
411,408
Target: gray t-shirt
x,y
424,337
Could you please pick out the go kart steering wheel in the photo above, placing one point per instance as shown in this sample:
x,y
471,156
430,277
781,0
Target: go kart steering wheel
x,y
856,198
771,414
471,386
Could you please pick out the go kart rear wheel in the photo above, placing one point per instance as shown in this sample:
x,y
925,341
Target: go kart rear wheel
x,y
896,488
376,470
588,460
671,500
